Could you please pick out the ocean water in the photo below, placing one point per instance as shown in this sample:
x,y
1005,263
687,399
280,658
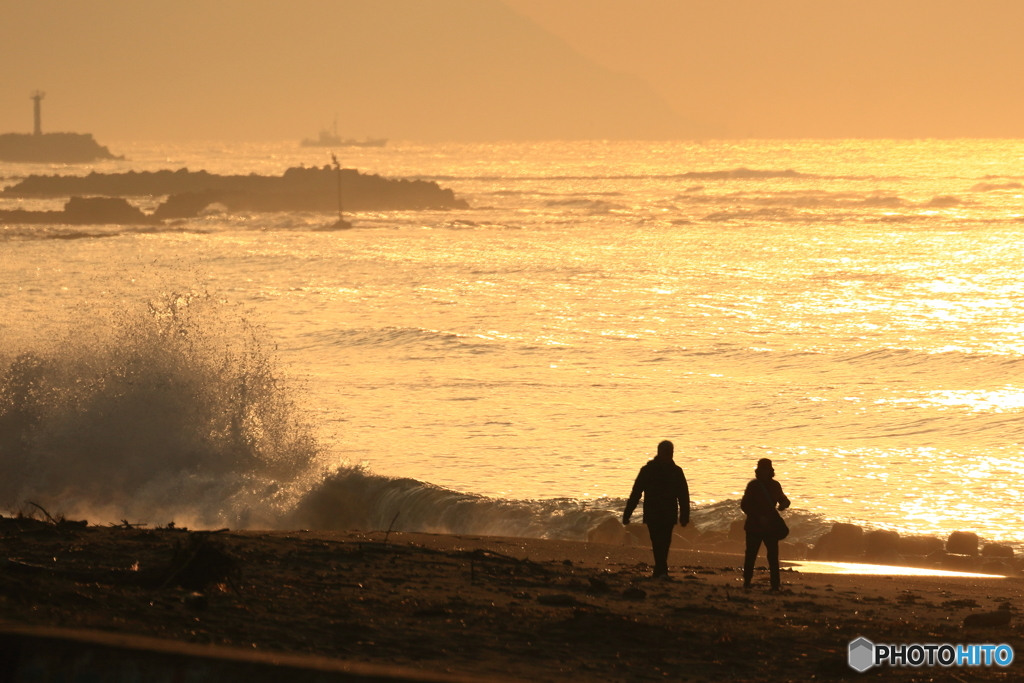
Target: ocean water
x,y
853,310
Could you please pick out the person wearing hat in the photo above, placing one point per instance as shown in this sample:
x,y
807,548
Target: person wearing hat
x,y
761,502
662,484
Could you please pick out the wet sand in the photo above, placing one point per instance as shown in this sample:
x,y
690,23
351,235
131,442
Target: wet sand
x,y
487,606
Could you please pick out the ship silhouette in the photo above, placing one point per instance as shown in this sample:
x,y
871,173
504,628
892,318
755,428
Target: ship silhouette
x,y
328,138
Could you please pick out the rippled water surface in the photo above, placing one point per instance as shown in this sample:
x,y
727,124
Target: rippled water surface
x,y
852,310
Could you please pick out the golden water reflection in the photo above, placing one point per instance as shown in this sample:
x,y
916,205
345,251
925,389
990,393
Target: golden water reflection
x,y
879,570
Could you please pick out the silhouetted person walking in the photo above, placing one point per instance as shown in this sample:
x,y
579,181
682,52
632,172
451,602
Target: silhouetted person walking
x,y
761,501
662,484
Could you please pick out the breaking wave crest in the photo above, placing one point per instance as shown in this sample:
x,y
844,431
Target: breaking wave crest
x,y
169,413
593,206
796,200
396,336
353,498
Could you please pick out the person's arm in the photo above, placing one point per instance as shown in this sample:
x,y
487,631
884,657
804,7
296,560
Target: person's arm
x,y
684,500
634,497
746,503
783,501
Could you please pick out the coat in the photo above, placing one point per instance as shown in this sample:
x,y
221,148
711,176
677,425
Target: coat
x,y
666,496
758,508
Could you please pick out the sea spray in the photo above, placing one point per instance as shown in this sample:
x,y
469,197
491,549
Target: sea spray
x,y
174,412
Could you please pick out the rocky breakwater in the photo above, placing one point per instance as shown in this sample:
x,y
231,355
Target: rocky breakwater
x,y
962,551
188,193
690,537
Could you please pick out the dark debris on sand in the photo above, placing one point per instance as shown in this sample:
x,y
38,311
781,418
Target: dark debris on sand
x,y
476,609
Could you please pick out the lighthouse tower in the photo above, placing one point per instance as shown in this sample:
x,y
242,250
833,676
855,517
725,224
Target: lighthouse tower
x,y
37,97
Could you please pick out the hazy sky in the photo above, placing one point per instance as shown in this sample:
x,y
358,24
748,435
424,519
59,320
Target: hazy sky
x,y
515,69
269,69
814,68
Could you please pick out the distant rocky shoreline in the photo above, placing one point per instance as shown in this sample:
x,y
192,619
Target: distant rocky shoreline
x,y
189,193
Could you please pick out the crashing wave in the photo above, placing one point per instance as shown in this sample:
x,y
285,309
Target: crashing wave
x,y
154,418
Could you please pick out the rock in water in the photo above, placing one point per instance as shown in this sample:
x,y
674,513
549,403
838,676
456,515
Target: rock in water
x,y
100,210
83,211
919,545
962,543
997,550
297,189
881,543
844,542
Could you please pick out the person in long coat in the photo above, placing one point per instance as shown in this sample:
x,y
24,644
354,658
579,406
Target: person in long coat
x,y
761,502
666,496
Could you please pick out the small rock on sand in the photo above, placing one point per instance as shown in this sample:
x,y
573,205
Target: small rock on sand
x,y
196,600
558,600
1000,617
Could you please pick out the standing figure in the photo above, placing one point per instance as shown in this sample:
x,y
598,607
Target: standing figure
x,y
761,502
662,484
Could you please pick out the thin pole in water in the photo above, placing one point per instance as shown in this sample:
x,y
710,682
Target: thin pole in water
x,y
337,167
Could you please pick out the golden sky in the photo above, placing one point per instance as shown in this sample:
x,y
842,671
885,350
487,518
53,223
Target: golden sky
x,y
515,69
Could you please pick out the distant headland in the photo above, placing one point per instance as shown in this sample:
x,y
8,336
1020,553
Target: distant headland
x,y
39,147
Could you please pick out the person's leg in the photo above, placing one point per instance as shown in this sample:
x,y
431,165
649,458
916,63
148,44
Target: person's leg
x,y
753,545
661,540
657,547
667,540
772,548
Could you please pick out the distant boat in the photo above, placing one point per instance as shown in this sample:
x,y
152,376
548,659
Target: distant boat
x,y
329,139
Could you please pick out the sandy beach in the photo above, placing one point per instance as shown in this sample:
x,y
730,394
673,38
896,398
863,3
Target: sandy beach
x,y
487,606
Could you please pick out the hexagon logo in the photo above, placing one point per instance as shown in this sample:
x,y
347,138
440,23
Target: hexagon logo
x,y
862,654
